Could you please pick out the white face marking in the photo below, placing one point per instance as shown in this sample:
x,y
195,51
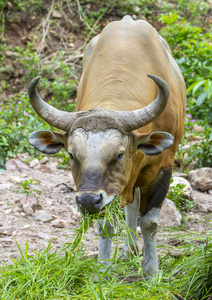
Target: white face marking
x,y
101,162
90,146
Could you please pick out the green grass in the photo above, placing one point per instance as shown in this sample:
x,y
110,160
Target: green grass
x,y
69,273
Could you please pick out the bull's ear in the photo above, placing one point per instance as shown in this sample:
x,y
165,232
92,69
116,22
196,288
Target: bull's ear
x,y
153,143
47,141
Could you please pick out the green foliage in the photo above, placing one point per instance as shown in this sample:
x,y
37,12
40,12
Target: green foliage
x,y
31,5
69,274
192,50
203,91
201,151
63,91
17,121
28,189
175,194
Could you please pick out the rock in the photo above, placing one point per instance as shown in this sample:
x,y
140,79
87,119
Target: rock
x,y
16,165
210,191
191,166
43,216
17,209
23,156
7,72
37,167
56,14
193,137
44,160
28,209
58,223
43,236
197,128
29,204
52,165
12,54
45,169
203,201
169,215
63,188
186,189
194,217
15,179
31,201
72,46
34,163
201,179
180,174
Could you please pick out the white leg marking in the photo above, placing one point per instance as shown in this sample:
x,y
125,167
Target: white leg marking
x,y
104,242
149,224
131,212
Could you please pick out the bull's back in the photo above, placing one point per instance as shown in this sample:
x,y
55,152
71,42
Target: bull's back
x,y
115,72
116,67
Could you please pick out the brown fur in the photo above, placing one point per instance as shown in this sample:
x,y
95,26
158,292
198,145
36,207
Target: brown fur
x,y
115,78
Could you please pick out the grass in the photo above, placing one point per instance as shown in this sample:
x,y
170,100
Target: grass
x,y
69,273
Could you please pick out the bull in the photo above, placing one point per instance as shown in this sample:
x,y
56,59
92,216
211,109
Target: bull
x,y
124,134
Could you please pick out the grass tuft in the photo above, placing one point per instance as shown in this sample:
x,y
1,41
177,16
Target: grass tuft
x,y
69,273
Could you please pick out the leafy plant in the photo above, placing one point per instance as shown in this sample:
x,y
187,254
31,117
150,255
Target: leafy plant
x,y
17,121
192,50
203,90
201,151
175,194
28,190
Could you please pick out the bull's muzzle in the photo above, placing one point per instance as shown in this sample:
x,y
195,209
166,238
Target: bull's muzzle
x,y
89,202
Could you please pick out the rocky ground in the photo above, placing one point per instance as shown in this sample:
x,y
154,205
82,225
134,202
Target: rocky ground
x,y
51,213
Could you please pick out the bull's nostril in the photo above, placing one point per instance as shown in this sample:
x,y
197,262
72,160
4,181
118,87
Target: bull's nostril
x,y
97,203
98,200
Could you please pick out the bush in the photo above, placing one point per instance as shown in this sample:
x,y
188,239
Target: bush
x,y
192,50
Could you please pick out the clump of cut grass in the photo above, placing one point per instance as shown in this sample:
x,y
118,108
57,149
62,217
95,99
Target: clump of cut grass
x,y
112,214
69,274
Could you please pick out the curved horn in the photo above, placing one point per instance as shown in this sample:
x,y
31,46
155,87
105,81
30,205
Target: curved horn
x,y
137,118
55,117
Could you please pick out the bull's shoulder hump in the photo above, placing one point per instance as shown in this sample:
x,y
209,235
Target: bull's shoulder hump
x,y
128,26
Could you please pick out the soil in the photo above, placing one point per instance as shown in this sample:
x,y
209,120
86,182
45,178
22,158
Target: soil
x,y
20,213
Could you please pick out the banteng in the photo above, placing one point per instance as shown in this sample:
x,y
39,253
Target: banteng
x,y
126,129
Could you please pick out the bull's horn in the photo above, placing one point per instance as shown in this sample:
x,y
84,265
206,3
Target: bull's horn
x,y
55,117
137,118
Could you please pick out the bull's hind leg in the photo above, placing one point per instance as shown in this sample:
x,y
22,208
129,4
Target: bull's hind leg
x,y
151,202
131,213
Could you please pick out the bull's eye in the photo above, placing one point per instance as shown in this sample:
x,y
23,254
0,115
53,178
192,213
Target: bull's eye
x,y
71,155
120,155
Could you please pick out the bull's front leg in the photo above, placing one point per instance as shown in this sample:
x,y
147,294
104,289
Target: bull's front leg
x,y
105,241
151,202
131,213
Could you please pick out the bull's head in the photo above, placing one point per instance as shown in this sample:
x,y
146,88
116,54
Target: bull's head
x,y
100,144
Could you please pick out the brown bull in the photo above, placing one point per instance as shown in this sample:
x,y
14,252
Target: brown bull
x,y
120,110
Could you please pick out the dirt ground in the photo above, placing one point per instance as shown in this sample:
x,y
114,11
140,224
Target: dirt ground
x,y
20,215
